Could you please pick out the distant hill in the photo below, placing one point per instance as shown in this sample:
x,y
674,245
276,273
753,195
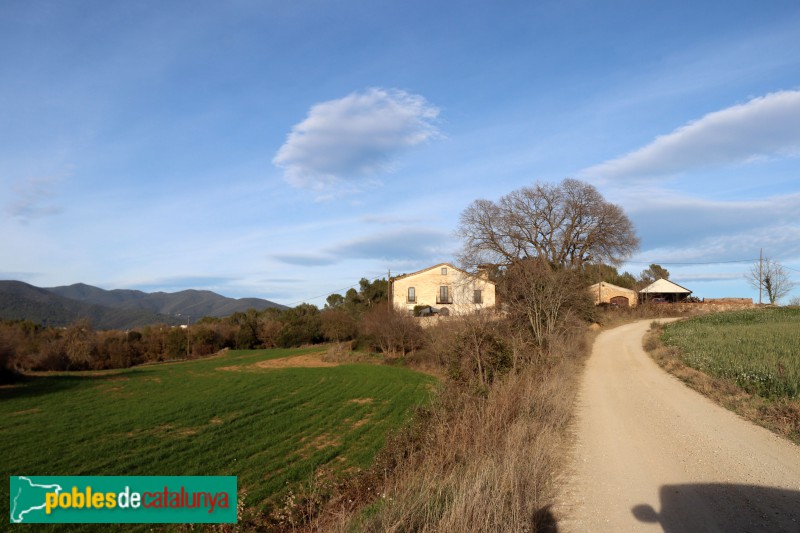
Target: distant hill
x,y
193,303
115,309
20,301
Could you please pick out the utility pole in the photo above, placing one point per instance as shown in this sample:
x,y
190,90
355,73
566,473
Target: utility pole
x,y
760,275
389,290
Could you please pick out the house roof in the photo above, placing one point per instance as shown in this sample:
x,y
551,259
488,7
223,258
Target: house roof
x,y
664,286
612,286
448,265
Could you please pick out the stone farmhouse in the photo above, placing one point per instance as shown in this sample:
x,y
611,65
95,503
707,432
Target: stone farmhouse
x,y
613,295
445,288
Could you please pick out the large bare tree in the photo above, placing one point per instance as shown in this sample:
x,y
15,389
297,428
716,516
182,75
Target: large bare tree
x,y
566,225
772,278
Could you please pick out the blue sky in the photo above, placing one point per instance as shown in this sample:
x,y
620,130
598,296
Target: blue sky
x,y
284,150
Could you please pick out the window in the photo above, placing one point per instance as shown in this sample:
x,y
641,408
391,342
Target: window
x,y
444,271
444,295
412,295
477,296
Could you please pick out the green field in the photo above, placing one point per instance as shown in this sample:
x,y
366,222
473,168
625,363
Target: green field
x,y
759,349
220,416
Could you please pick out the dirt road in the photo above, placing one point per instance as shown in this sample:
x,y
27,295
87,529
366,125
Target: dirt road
x,y
653,455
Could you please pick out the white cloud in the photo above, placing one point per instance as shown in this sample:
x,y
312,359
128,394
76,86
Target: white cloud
x,y
346,142
761,128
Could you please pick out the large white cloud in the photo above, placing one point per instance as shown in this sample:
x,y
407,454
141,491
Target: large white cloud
x,y
343,142
763,127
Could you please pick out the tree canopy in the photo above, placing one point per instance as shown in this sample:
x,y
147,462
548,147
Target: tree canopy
x,y
566,225
369,294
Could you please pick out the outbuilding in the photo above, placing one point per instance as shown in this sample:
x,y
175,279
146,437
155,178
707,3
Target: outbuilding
x,y
613,295
663,290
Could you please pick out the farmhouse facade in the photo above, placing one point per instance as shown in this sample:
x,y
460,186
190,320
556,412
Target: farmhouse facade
x,y
614,295
445,288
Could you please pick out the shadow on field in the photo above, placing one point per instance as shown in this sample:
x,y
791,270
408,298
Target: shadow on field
x,y
28,386
723,507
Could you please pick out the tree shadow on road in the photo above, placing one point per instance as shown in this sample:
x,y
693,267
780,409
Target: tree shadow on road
x,y
724,507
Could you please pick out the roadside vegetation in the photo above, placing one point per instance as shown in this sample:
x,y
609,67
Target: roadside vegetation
x,y
748,360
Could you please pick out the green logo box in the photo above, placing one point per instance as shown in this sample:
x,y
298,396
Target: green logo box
x,y
122,499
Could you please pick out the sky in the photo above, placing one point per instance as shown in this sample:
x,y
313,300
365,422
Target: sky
x,y
285,150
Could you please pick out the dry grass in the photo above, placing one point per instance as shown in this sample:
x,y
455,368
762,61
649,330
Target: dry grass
x,y
781,416
298,361
471,462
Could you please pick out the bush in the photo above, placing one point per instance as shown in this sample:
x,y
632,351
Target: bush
x,y
395,334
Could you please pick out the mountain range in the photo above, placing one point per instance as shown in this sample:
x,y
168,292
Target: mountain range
x,y
118,308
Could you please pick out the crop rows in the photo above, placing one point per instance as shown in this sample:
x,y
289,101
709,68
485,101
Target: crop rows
x,y
759,349
220,416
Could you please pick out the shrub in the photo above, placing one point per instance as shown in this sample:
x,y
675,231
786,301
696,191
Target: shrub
x,y
393,333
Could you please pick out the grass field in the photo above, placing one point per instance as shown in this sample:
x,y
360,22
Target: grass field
x,y
758,349
226,415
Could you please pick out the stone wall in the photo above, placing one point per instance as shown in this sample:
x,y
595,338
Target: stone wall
x,y
715,305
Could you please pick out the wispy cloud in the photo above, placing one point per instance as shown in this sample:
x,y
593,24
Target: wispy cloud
x,y
710,276
670,219
179,283
303,259
21,276
680,228
344,143
405,244
761,128
33,198
390,219
409,244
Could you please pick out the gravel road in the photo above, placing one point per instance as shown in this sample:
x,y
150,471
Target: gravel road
x,y
653,455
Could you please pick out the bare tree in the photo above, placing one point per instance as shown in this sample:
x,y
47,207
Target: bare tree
x,y
78,344
395,334
566,225
338,324
545,300
772,278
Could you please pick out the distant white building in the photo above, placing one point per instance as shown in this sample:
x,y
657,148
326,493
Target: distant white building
x,y
664,290
449,290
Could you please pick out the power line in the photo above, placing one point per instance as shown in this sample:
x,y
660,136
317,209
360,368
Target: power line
x,y
689,264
